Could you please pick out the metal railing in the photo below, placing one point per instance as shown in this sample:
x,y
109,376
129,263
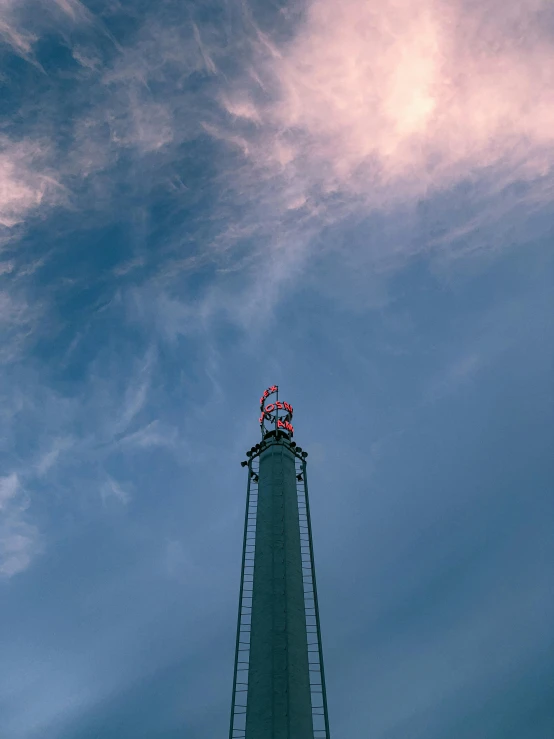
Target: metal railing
x,y
320,718
237,728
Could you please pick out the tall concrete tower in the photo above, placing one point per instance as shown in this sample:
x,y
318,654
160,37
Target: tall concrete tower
x,y
279,680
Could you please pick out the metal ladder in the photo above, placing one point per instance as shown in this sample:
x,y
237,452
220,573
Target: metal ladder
x,y
242,653
320,719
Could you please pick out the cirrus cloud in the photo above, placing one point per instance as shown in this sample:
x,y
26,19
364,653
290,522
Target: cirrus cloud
x,y
25,182
389,99
18,538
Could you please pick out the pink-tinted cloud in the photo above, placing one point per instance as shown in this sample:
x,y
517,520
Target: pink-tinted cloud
x,y
25,183
391,98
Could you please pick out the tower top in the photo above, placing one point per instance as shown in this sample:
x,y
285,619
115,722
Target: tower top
x,y
275,415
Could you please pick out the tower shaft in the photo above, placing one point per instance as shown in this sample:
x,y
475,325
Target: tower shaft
x,y
279,698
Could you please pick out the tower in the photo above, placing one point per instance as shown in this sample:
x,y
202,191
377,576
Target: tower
x,y
279,679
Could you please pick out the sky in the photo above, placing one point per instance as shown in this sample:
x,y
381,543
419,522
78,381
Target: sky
x,y
353,200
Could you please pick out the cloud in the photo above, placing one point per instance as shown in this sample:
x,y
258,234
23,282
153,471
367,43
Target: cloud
x,y
8,490
21,43
436,118
112,489
136,394
74,9
135,398
208,61
25,181
141,123
130,104
49,459
18,538
23,22
153,434
6,267
18,319
362,107
391,100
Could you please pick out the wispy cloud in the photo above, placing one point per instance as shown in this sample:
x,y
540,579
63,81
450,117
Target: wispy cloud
x,y
26,182
361,108
20,42
19,541
136,394
112,489
49,458
371,110
18,320
208,61
154,434
396,100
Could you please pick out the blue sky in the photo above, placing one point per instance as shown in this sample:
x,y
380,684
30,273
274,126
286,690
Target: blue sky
x,y
352,200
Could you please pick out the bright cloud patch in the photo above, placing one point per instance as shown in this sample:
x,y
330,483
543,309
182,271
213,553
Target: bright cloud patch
x,y
397,97
24,184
